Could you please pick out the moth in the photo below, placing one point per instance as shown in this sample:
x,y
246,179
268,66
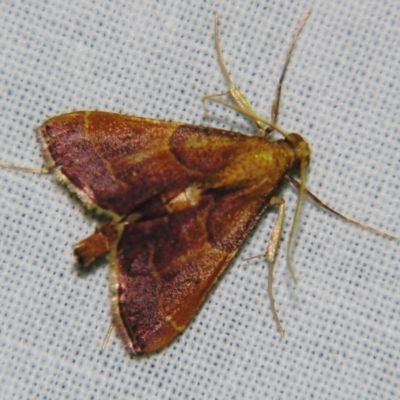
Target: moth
x,y
181,200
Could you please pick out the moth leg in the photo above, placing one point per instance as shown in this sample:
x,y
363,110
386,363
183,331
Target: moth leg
x,y
270,255
276,103
108,334
42,171
96,245
233,91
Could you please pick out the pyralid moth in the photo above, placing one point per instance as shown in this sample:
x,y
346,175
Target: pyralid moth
x,y
181,200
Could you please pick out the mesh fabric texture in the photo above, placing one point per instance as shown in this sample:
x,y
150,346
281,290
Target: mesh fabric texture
x,y
157,59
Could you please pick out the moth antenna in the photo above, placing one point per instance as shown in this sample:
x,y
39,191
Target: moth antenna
x,y
233,91
321,204
300,200
254,117
276,103
26,169
107,337
254,257
242,105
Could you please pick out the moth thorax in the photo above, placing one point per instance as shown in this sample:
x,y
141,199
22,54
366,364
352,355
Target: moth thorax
x,y
301,149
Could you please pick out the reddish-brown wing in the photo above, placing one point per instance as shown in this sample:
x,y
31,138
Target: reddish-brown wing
x,y
117,162
163,268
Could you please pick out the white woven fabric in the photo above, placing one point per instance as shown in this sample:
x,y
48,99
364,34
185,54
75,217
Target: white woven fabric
x,y
156,59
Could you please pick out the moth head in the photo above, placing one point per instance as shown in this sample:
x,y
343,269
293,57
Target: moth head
x,y
301,149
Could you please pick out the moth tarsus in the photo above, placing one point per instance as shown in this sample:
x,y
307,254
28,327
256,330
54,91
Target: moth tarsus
x,y
40,171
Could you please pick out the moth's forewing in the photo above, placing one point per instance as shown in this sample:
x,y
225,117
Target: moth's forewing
x,y
117,162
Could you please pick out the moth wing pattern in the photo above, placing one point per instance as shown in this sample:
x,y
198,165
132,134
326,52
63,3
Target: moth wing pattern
x,y
114,163
162,269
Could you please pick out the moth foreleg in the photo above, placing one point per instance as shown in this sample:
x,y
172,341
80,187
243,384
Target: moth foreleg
x,y
233,91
